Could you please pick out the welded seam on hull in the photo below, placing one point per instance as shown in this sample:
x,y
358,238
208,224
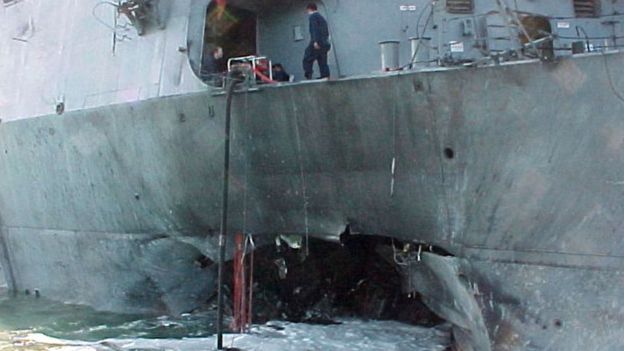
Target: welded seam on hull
x,y
394,141
246,166
102,232
437,142
545,258
300,159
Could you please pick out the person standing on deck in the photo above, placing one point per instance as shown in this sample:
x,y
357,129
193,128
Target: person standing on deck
x,y
319,44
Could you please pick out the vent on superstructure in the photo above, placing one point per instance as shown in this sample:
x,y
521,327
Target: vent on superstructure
x,y
460,6
586,8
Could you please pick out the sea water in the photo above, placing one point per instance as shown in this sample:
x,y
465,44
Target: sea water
x,y
30,323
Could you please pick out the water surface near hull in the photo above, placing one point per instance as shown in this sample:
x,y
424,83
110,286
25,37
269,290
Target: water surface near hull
x,y
27,314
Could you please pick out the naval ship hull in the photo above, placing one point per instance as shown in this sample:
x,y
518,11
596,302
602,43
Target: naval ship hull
x,y
515,170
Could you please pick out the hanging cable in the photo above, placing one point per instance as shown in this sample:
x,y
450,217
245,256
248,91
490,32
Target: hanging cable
x,y
233,80
97,18
611,83
115,28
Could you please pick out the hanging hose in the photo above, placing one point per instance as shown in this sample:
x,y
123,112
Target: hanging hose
x,y
232,82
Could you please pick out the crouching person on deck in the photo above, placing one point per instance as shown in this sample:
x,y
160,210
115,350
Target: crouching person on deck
x,y
280,74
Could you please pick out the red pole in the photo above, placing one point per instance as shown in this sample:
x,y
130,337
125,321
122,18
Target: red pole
x,y
250,300
239,283
242,294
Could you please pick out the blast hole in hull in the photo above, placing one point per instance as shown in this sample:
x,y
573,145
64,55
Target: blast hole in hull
x,y
336,280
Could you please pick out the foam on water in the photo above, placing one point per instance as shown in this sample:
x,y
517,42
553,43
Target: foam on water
x,y
33,324
73,322
279,336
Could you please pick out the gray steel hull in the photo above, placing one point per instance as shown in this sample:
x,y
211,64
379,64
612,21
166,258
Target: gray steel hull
x,y
516,170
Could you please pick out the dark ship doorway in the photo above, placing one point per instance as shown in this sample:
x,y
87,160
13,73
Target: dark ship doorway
x,y
232,28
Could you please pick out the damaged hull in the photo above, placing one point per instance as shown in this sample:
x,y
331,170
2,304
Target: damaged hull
x,y
515,170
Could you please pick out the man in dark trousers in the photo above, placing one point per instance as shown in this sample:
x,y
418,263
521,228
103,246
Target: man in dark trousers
x,y
319,44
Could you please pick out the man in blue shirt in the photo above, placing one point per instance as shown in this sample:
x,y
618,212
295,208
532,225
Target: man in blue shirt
x,y
319,44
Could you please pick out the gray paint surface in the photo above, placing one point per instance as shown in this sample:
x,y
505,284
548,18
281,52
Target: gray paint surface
x,y
119,200
3,284
441,283
523,306
522,192
82,54
7,278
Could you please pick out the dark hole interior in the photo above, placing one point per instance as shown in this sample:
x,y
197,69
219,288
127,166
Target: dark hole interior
x,y
335,280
